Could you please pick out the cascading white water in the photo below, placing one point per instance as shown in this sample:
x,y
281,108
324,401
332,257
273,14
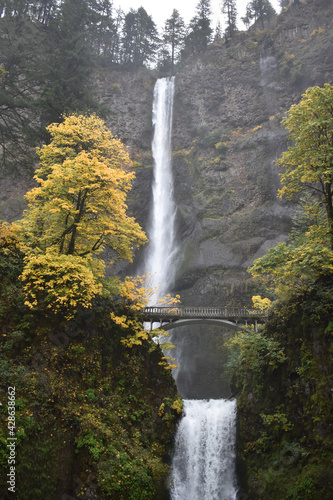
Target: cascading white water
x,y
162,247
203,466
204,457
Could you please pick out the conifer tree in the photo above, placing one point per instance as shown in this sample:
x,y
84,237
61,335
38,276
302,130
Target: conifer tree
x,y
67,70
218,33
21,41
258,10
105,29
199,31
173,39
140,38
229,8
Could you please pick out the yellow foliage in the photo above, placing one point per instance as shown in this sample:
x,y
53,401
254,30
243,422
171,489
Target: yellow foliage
x,y
318,31
64,282
259,303
8,239
77,210
178,406
289,57
168,363
255,129
169,300
134,296
161,410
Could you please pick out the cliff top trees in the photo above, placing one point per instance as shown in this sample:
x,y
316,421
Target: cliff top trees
x,y
258,9
66,86
77,211
229,8
200,31
173,39
139,38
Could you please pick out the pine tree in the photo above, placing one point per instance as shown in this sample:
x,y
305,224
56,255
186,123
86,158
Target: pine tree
x,y
173,40
200,32
258,10
140,38
69,62
229,8
218,33
104,29
21,50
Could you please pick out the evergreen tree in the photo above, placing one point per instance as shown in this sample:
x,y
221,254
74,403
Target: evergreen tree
x,y
21,42
105,29
44,11
229,8
140,39
200,31
258,9
65,80
218,33
173,40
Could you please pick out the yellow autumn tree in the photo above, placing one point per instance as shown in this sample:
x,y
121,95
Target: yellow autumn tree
x,y
77,210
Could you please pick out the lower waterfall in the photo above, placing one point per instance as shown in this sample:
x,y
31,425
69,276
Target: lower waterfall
x,y
203,466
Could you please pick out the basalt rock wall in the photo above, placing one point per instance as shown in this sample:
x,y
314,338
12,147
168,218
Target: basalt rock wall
x,y
227,135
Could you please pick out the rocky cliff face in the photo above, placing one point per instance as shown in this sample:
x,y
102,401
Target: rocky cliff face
x,y
227,136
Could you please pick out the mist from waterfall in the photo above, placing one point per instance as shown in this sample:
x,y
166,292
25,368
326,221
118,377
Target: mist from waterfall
x,y
162,248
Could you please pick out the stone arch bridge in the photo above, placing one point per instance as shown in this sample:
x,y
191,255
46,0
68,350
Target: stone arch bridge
x,y
170,317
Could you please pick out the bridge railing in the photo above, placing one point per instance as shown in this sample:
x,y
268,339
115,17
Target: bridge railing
x,y
171,312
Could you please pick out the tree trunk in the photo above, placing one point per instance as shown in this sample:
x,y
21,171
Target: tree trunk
x,y
329,208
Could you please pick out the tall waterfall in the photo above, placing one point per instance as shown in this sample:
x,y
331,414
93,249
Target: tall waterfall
x,y
203,464
161,234
204,457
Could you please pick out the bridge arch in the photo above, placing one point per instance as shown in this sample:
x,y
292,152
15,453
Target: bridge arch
x,y
171,317
198,322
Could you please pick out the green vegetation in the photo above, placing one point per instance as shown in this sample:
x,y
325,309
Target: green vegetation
x,y
258,10
283,373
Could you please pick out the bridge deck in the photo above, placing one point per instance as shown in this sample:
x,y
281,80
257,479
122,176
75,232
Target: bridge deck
x,y
170,313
